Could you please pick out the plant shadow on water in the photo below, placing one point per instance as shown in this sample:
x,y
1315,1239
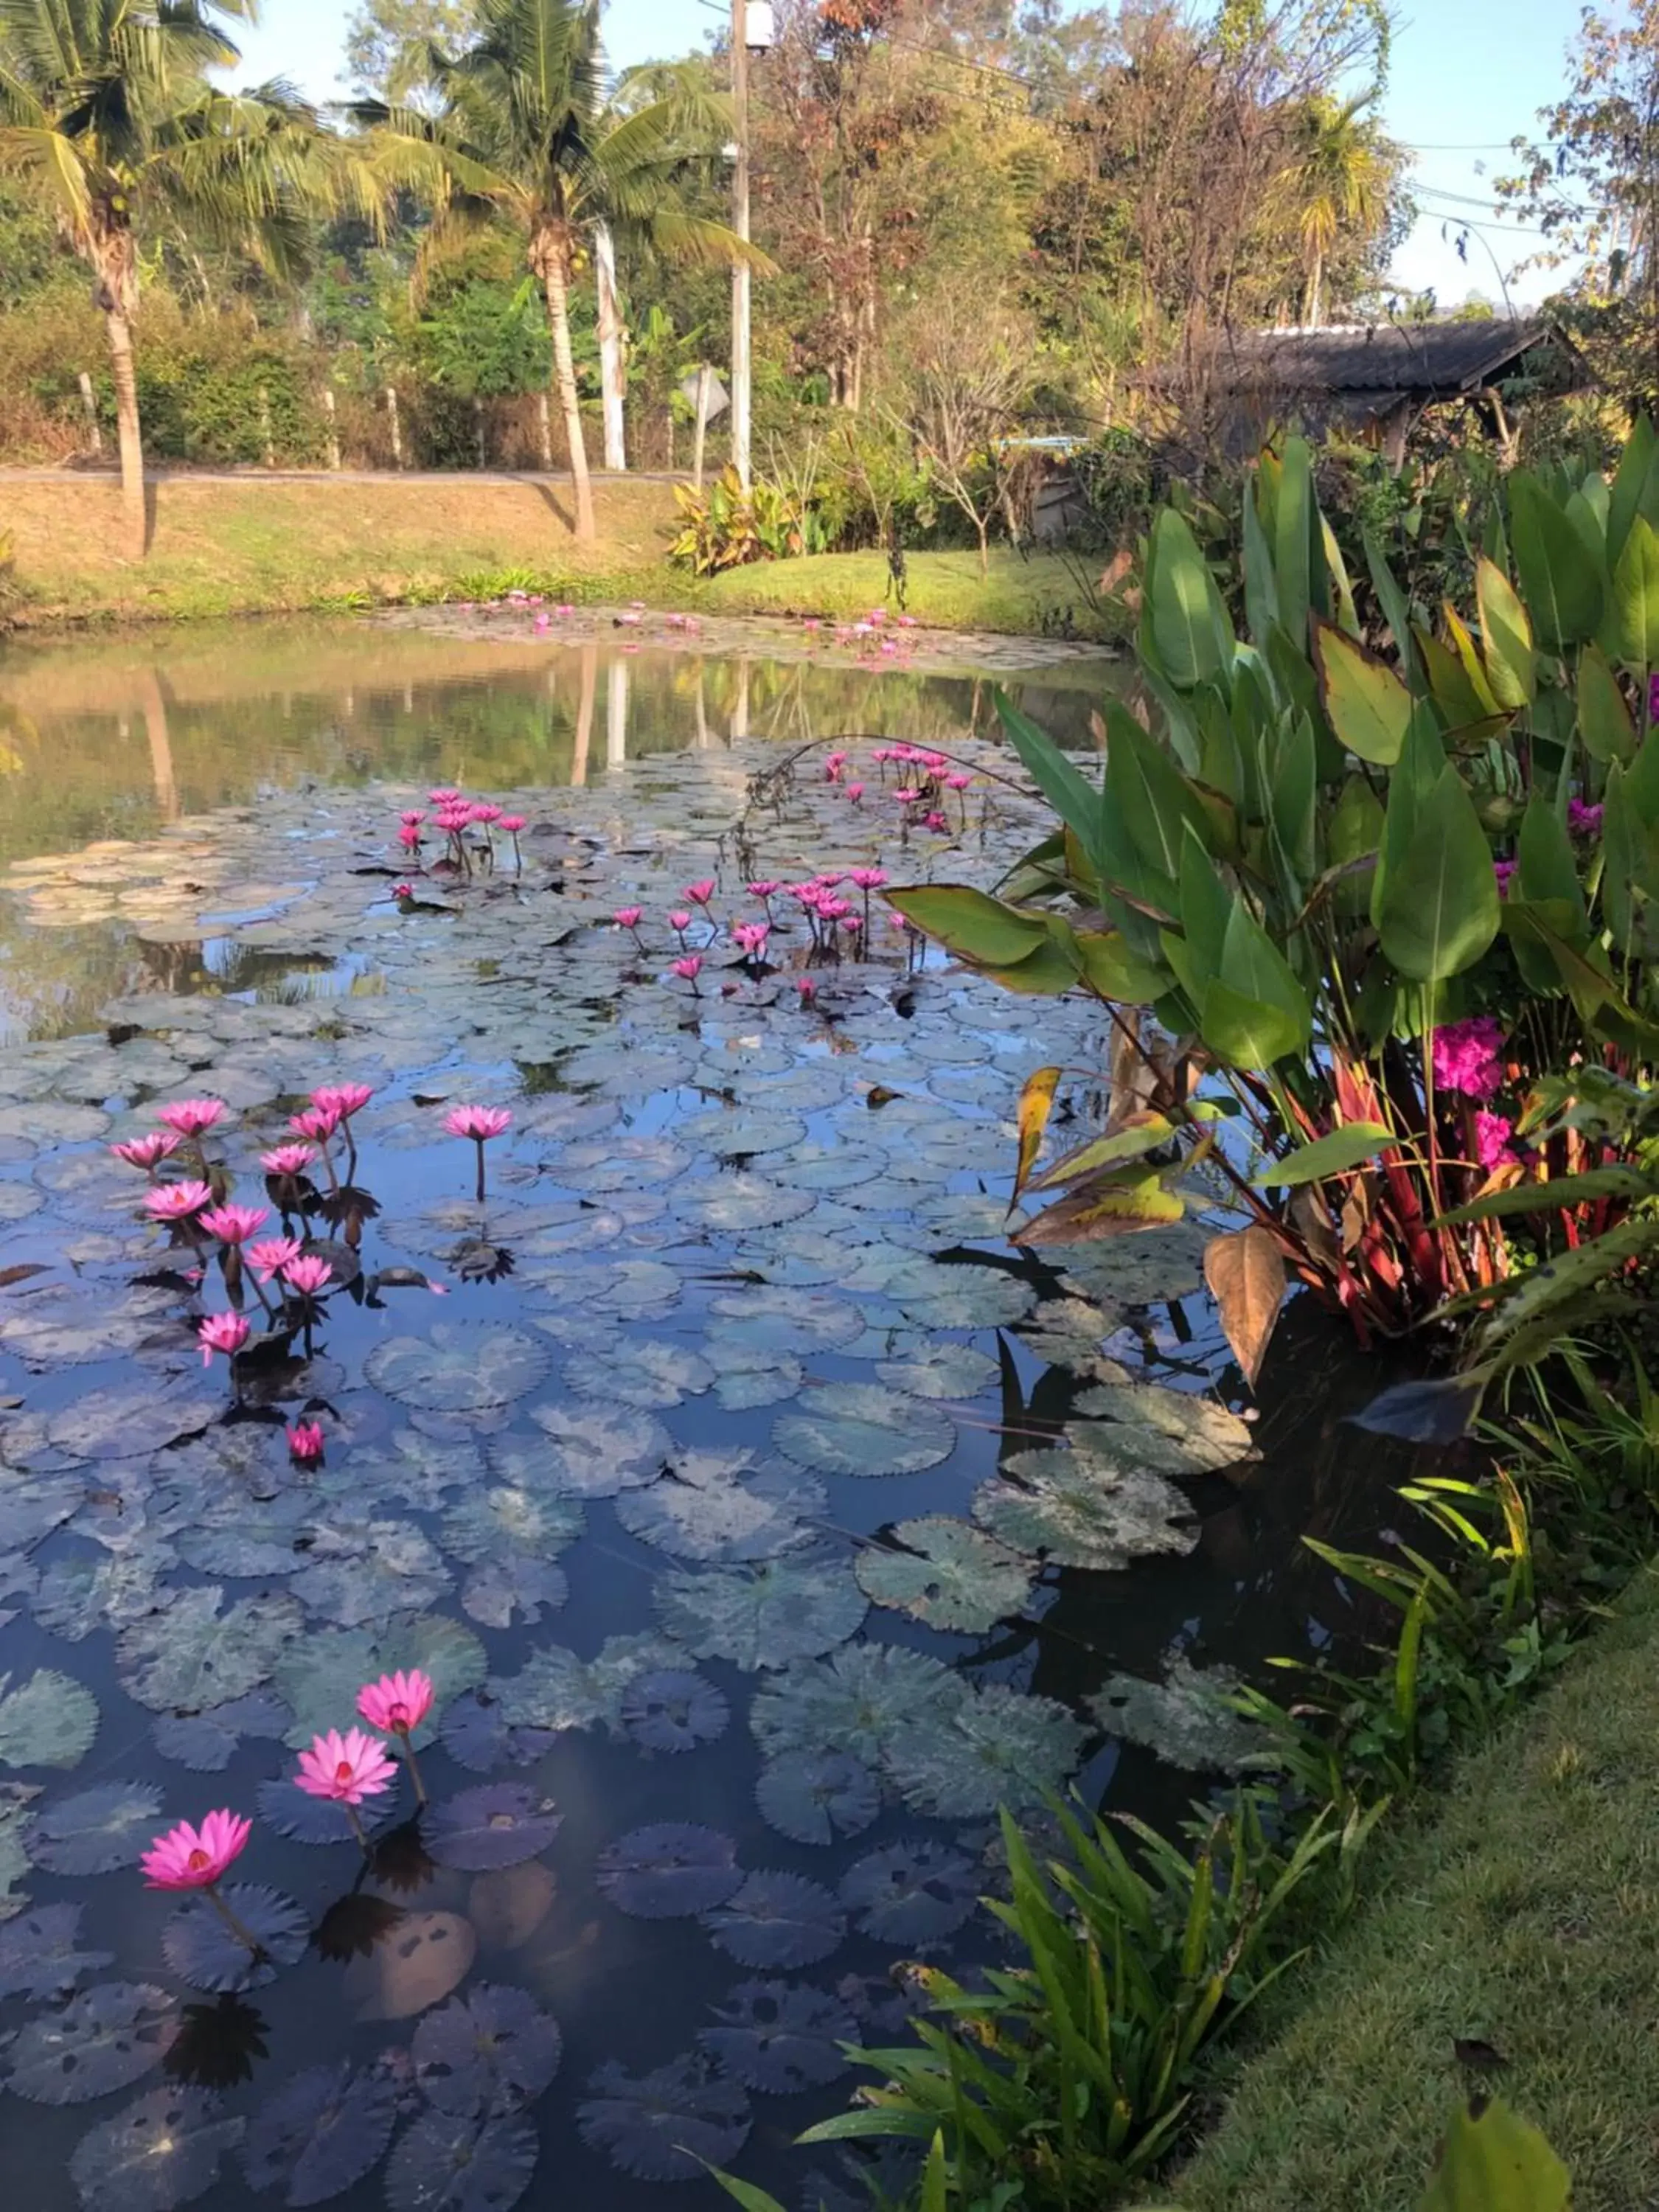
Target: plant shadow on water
x,y
763,1518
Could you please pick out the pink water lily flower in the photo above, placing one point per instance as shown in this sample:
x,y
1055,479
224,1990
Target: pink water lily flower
x,y
868,879
679,922
192,1117
807,988
307,1276
234,1224
178,1201
195,1858
512,824
344,1099
269,1258
411,817
402,890
397,1703
227,1332
288,1159
409,838
445,797
305,1444
478,1122
345,1769
689,969
484,811
763,889
148,1152
316,1123
628,917
855,791
699,893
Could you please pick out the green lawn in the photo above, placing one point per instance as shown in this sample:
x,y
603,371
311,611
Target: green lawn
x,y
1525,1916
1043,594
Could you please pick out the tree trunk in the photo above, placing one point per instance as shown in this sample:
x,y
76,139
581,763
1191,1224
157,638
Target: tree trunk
x,y
564,383
612,373
983,527
1311,303
131,441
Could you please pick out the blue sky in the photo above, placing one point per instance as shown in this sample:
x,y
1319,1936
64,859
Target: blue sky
x,y
1468,74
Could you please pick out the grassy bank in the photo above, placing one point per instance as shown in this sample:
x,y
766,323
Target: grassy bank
x,y
281,545
1525,1916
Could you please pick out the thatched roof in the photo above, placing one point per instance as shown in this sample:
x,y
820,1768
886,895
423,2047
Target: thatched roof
x,y
1429,361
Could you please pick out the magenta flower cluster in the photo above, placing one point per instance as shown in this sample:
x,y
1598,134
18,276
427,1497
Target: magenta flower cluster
x,y
453,816
1468,1058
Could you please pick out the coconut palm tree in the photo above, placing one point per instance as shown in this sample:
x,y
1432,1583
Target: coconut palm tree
x,y
1338,180
104,104
525,133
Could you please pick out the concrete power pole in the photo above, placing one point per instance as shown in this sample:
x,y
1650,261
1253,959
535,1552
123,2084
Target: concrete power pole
x,y
740,278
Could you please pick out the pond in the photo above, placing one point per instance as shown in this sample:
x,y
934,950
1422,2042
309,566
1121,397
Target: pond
x,y
763,1517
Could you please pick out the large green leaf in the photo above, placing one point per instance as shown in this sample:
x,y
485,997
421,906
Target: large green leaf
x,y
1111,969
1293,528
1635,487
1630,874
1491,2161
1338,1153
1562,587
1511,667
1153,800
969,924
1635,596
1193,638
1392,600
1261,585
1206,908
1252,965
1366,702
1436,904
1549,870
1604,719
1075,800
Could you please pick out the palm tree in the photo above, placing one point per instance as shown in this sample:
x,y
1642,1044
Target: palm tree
x,y
524,132
104,104
1338,180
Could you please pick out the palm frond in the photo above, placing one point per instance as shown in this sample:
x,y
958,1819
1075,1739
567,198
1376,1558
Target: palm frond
x,y
696,242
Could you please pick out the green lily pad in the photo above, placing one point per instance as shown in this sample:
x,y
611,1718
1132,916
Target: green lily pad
x,y
191,1655
948,1574
1082,1512
161,2151
765,1615
461,1367
718,1506
942,1370
49,1720
320,1676
1186,1719
640,1372
857,1700
596,1451
127,1423
998,1746
857,1428
1175,1431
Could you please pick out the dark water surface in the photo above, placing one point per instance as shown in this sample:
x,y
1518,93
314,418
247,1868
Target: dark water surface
x,y
737,1303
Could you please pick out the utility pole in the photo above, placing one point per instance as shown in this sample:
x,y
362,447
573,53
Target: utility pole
x,y
740,279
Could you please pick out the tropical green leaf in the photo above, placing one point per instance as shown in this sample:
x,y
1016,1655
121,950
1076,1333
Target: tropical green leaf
x,y
1392,600
1337,1154
1076,801
1511,669
1635,597
1366,702
969,924
1189,627
1491,2161
1293,526
1604,719
1435,902
1549,870
1558,1191
1564,589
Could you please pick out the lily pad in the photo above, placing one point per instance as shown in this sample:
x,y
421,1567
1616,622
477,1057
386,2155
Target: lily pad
x,y
319,1676
673,1709
736,1205
453,2162
766,1615
780,2037
477,1735
716,1506
942,1370
1000,1746
812,1797
461,1367
1172,1432
39,1953
948,1574
129,1423
785,1320
96,1831
303,1818
667,2125
321,2131
500,1825
1187,1718
163,2150
1081,1512
102,2039
668,1871
206,1742
492,2052
857,1428
918,1891
598,1451
48,1721
778,1920
640,1372
191,1654
200,1948
858,1699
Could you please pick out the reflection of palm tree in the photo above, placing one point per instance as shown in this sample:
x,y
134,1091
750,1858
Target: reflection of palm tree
x,y
616,717
740,701
160,746
585,712
1337,180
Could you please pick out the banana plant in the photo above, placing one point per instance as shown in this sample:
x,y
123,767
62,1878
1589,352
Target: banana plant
x,y
1348,901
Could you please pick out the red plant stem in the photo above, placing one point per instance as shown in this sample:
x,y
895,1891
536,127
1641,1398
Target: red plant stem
x,y
414,1769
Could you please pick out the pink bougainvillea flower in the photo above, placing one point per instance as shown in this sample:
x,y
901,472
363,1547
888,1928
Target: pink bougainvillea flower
x,y
1586,819
195,1858
148,1152
234,1224
1467,1058
478,1122
345,1768
191,1117
307,1276
1493,1148
398,1703
288,1159
305,1444
344,1099
699,893
630,917
269,1258
227,1332
177,1201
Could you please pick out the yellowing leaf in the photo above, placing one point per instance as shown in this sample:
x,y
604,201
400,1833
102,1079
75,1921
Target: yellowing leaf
x,y
1366,702
1036,1103
1108,1208
1246,1275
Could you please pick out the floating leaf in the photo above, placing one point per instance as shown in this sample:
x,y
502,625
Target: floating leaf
x,y
855,1428
321,2131
715,1506
164,2150
780,2037
48,1721
941,1371
674,1710
1000,1746
856,1699
1080,1512
813,1795
206,1742
778,1920
423,1959
38,1952
97,1831
502,1588
598,1451
1186,1718
303,1818
461,1367
451,2162
916,1891
128,1423
781,1320
491,2052
948,1574
201,1949
764,1615
667,2125
1174,1432
189,1655
103,2040
641,1372
668,1871
477,1734
321,1674
496,1825
737,1205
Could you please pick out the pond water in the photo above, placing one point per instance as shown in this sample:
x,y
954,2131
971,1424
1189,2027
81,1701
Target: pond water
x,y
764,1518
